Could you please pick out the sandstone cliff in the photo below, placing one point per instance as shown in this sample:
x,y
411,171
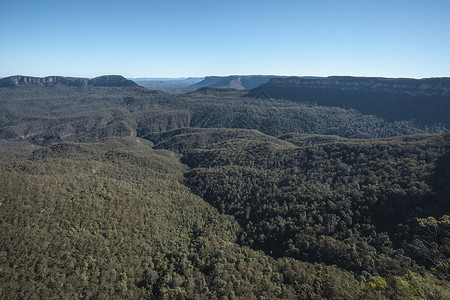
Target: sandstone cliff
x,y
423,101
107,80
427,86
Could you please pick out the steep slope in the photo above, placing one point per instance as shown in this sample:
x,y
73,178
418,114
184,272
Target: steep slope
x,y
112,220
370,207
426,101
224,108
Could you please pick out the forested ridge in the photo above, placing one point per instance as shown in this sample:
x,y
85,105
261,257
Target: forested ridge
x,y
122,192
314,203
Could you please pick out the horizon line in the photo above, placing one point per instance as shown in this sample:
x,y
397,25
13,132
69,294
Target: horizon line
x,y
230,75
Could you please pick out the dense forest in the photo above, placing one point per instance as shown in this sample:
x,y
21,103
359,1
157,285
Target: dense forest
x,y
112,190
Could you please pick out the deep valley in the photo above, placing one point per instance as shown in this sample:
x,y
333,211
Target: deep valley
x,y
241,187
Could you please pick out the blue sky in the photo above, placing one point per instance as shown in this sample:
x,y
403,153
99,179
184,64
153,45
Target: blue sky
x,y
198,38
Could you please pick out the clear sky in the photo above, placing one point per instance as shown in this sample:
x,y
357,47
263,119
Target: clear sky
x,y
170,38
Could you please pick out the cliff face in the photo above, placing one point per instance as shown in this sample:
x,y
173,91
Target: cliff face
x,y
428,86
107,80
50,80
424,101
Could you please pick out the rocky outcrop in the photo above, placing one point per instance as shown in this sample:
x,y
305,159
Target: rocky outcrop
x,y
107,80
45,81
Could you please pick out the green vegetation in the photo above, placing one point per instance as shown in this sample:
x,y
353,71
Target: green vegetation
x,y
46,114
112,219
365,206
122,192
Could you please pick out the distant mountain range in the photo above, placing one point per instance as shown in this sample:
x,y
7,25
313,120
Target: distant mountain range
x,y
78,109
425,102
169,85
183,85
234,82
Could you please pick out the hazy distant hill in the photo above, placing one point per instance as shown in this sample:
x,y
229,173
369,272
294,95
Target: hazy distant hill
x,y
425,101
169,85
234,82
